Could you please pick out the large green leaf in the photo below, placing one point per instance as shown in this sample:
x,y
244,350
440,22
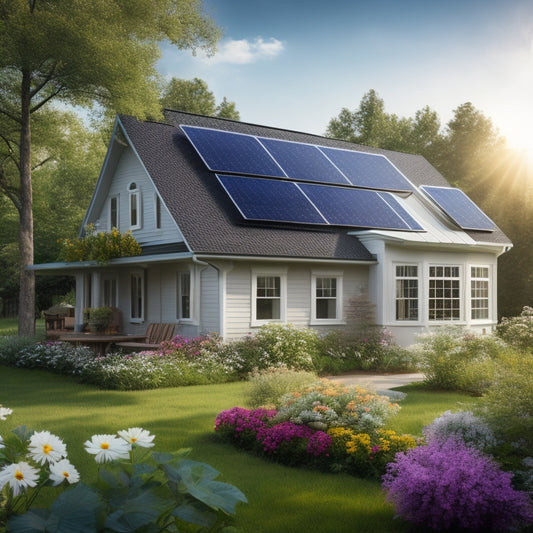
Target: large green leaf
x,y
198,478
34,521
196,513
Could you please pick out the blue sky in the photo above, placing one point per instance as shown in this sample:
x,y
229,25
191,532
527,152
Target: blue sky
x,y
295,63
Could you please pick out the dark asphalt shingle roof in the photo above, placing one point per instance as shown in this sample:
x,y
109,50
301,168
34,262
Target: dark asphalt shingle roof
x,y
207,217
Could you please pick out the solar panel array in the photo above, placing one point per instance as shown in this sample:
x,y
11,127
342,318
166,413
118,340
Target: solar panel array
x,y
456,204
284,181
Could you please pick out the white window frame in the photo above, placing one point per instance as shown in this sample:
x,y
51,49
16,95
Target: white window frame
x,y
179,310
401,297
459,298
134,195
474,278
282,275
339,305
138,315
115,198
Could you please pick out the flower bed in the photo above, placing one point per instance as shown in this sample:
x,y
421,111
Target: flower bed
x,y
328,425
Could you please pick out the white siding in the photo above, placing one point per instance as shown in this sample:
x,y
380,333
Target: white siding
x,y
209,302
129,170
239,297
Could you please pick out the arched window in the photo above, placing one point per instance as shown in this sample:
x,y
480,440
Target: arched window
x,y
135,206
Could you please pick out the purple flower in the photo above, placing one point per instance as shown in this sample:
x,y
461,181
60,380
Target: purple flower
x,y
272,437
450,486
241,419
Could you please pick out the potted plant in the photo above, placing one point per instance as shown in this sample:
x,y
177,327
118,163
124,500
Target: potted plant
x,y
99,318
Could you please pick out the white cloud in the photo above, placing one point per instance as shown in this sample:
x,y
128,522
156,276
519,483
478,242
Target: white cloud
x,y
243,51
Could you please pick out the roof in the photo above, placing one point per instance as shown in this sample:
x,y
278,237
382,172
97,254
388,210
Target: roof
x,y
208,219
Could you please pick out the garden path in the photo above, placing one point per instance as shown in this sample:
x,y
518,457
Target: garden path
x,y
377,381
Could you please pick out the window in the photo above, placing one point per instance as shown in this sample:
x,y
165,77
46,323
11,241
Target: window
x,y
479,292
135,206
110,292
406,292
183,296
136,296
157,212
268,297
113,213
326,297
444,293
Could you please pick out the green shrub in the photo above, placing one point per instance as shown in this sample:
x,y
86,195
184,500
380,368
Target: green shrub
x,y
267,387
371,348
11,345
518,331
454,359
508,408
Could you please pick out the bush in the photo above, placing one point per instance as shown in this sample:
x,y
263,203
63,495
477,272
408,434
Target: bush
x,y
454,359
518,331
370,349
267,387
10,347
450,486
508,408
464,426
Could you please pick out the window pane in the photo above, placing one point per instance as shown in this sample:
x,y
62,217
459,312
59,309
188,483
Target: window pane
x,y
137,296
113,212
479,293
268,298
444,293
406,292
184,295
133,210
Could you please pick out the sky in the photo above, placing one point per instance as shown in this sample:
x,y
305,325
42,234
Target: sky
x,y
294,64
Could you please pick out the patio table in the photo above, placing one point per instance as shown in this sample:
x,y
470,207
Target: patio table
x,y
99,343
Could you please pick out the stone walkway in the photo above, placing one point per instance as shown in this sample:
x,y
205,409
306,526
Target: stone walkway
x,y
377,381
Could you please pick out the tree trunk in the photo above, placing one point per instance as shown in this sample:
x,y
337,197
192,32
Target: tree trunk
x,y
26,325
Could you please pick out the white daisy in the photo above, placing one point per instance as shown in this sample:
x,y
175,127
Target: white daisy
x,y
4,411
45,447
63,470
19,476
107,448
138,436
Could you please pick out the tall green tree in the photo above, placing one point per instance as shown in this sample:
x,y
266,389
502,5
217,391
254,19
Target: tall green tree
x,y
79,52
194,96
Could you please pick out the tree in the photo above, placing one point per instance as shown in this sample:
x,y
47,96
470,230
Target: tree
x,y
194,96
79,52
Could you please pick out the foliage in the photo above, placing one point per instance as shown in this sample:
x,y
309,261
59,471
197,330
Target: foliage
x,y
462,425
507,406
329,404
98,318
11,346
371,348
518,331
268,386
194,96
303,439
136,488
454,359
449,486
100,246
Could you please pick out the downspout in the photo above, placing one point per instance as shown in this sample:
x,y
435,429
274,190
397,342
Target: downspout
x,y
221,284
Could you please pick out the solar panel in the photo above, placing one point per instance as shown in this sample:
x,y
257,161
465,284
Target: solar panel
x,y
233,153
371,171
303,161
270,200
456,204
353,207
397,205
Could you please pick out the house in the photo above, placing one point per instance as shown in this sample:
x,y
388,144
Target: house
x,y
242,224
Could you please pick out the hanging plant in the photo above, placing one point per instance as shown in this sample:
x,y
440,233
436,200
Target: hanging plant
x,y
99,247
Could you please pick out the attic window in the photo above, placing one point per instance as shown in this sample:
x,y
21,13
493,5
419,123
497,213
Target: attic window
x,y
135,206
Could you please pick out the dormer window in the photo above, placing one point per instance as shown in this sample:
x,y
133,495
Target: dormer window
x,y
135,206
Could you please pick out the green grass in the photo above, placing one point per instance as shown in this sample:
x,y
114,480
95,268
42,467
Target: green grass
x,y
9,326
281,499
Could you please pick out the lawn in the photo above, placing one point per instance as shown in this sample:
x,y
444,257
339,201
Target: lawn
x,y
281,499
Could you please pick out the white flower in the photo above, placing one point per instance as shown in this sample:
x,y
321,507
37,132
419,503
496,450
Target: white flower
x,y
107,448
45,447
4,411
1,441
19,476
63,470
140,437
